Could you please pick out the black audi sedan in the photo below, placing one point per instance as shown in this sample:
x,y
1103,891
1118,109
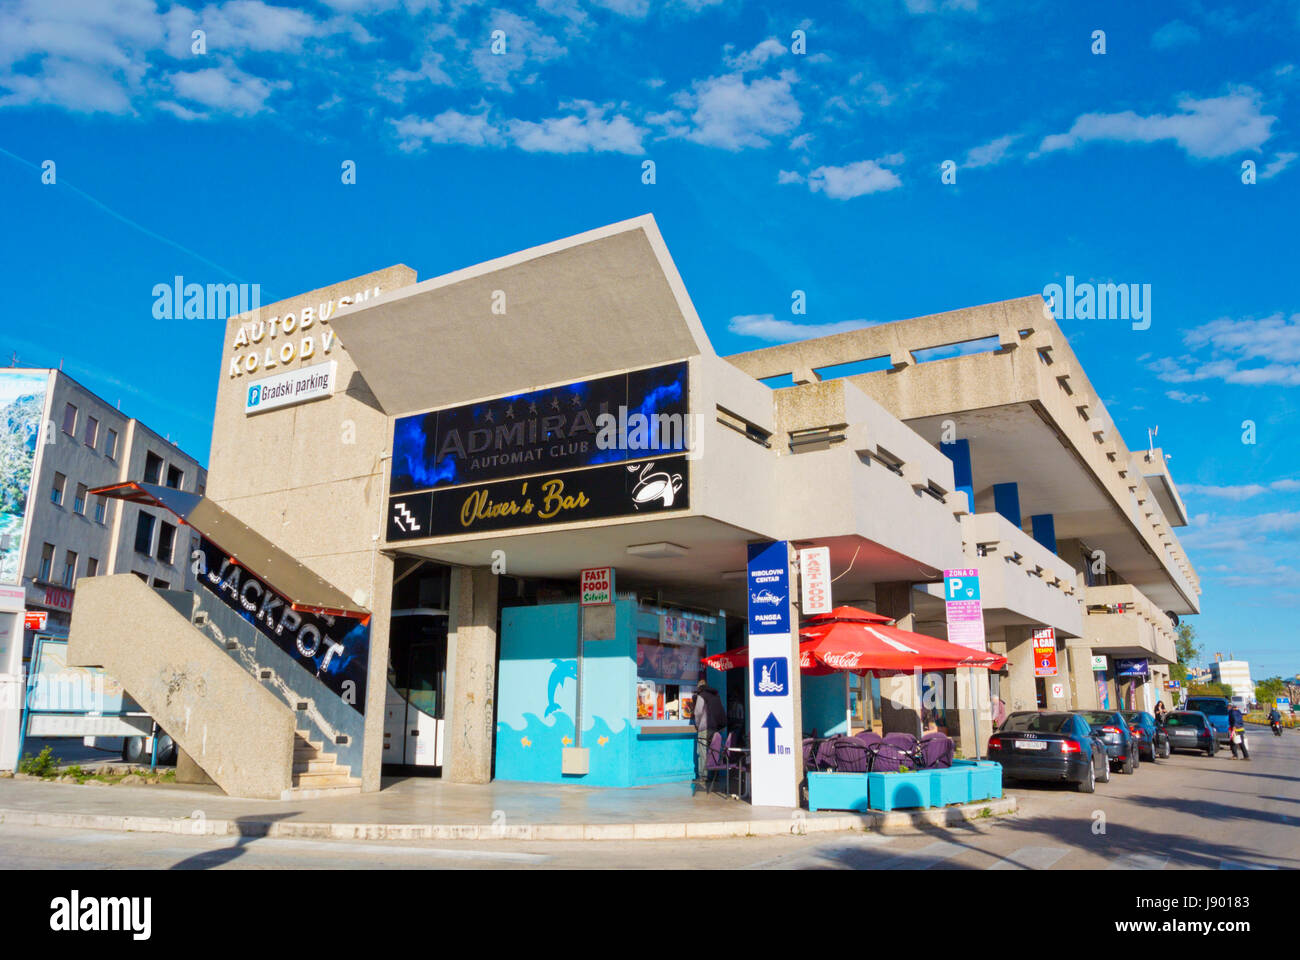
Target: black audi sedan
x,y
1111,728
1151,737
1038,745
1191,730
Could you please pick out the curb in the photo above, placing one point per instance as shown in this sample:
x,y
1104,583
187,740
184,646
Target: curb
x,y
799,824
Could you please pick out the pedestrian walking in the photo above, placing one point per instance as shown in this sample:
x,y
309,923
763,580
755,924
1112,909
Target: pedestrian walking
x,y
710,717
1160,712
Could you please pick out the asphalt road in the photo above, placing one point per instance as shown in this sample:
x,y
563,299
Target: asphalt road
x,y
1186,812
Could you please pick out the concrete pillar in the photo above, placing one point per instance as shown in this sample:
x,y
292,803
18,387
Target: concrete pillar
x,y
1084,684
469,733
1006,501
900,694
974,716
1044,528
1018,690
381,604
1062,679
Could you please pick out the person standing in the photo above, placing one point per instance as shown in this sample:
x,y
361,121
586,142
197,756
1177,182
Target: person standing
x,y
1160,713
710,718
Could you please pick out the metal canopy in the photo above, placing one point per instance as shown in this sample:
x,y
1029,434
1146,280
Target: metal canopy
x,y
305,590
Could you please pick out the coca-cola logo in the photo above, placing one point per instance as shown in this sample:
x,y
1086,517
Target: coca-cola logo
x,y
842,660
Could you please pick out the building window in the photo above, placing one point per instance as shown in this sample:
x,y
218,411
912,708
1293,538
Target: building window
x,y
166,541
92,567
142,576
70,568
92,432
47,561
160,582
56,493
152,468
144,533
101,509
79,500
175,477
70,420
110,444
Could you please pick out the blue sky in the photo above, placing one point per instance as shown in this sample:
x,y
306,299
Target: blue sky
x,y
774,171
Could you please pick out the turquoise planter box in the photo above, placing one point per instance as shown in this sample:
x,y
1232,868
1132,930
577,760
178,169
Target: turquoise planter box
x,y
837,791
892,791
985,778
949,785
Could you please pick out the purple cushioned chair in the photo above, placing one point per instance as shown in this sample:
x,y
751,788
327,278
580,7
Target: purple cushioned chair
x,y
868,737
888,757
851,755
719,759
937,751
904,741
826,755
809,755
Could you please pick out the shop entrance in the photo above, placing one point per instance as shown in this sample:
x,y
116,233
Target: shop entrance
x,y
414,709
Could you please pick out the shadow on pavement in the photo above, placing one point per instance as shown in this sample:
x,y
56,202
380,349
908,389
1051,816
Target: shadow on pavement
x,y
250,829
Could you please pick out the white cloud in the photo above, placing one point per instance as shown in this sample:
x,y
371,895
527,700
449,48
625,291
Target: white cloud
x,y
1176,33
991,153
753,59
1209,128
732,114
789,176
526,46
226,89
574,133
239,25
765,326
855,179
1272,343
1181,397
1278,164
450,126
1242,491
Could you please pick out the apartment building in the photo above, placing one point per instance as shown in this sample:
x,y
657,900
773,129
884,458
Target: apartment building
x,y
1235,674
60,442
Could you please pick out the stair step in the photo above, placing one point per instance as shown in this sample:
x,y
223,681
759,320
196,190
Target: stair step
x,y
340,778
316,765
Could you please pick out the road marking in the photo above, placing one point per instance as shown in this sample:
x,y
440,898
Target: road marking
x,y
1139,861
923,859
1031,858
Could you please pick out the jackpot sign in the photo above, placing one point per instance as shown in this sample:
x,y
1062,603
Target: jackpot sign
x,y
333,649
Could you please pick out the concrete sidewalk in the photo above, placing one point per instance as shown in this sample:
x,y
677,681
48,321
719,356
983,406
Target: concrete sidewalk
x,y
417,808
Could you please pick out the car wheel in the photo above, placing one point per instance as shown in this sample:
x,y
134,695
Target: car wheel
x,y
1105,769
1209,751
1166,750
1128,765
133,749
1088,784
1137,758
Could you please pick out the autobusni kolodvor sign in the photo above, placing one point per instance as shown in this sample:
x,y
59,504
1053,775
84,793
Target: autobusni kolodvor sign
x,y
627,416
333,649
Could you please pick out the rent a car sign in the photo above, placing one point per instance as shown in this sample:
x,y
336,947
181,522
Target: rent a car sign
x,y
597,586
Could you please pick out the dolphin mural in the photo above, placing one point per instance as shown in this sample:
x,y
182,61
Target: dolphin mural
x,y
564,670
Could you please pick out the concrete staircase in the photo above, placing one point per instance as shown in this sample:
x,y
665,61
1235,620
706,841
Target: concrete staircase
x,y
317,774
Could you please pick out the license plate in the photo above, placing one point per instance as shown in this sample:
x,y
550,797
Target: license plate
x,y
1031,745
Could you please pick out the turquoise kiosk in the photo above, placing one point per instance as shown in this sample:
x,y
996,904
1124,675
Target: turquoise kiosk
x,y
636,690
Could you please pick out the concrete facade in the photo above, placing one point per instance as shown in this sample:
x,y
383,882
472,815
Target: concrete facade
x,y
861,464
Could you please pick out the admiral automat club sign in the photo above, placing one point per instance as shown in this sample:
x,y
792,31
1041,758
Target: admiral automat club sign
x,y
623,417
598,493
333,649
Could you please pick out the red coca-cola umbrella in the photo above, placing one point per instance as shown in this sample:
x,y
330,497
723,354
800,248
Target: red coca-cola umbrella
x,y
861,647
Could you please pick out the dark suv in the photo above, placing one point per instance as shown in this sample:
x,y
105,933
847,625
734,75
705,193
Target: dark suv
x,y
1216,708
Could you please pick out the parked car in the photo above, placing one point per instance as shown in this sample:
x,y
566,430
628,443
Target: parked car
x,y
1191,730
1216,709
1037,745
1121,746
1152,739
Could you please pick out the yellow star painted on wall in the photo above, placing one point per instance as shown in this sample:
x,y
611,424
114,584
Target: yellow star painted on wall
x,y
566,740
526,742
602,740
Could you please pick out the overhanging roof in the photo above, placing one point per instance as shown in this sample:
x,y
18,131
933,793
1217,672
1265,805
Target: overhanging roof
x,y
602,301
304,589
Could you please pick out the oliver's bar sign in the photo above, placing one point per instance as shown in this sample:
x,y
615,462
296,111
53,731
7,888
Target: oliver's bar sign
x,y
597,493
628,416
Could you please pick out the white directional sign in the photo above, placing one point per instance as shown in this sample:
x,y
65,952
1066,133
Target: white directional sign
x,y
772,736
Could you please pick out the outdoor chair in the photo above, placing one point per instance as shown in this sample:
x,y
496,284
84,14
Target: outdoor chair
x,y
851,756
868,737
719,759
826,754
907,743
937,751
888,757
810,753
